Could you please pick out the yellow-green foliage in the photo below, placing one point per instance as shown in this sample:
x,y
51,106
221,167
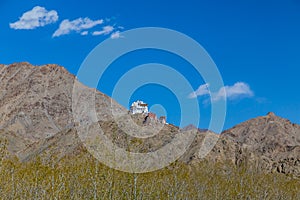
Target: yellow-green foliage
x,y
82,177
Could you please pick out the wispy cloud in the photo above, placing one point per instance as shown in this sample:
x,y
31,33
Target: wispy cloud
x,y
77,25
238,90
37,17
115,35
84,33
105,31
201,91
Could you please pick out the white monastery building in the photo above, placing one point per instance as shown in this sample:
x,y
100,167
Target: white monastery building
x,y
139,107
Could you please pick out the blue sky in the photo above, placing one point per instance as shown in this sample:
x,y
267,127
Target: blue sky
x,y
255,45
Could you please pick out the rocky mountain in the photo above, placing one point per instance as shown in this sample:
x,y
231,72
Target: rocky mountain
x,y
269,143
36,103
37,119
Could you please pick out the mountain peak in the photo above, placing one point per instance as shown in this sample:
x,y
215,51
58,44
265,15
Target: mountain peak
x,y
271,114
36,101
189,127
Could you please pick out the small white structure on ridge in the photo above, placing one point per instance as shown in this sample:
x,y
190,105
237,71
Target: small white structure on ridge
x,y
139,107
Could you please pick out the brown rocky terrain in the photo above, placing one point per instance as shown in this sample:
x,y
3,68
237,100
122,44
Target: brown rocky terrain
x,y
36,119
36,104
269,143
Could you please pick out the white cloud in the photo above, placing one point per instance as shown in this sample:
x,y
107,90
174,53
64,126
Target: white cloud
x,y
115,35
238,90
105,31
84,33
37,17
77,25
201,91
